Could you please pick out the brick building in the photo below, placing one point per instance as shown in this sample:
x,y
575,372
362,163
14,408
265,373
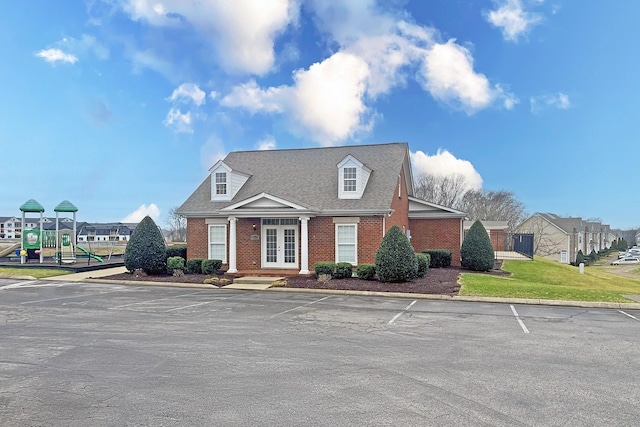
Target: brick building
x,y
288,209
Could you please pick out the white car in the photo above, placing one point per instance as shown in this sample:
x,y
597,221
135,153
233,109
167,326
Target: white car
x,y
627,260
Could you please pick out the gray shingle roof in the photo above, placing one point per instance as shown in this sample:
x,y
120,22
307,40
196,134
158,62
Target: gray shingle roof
x,y
309,177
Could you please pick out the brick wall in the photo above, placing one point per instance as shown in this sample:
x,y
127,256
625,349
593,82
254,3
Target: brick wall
x,y
400,206
197,238
247,250
437,234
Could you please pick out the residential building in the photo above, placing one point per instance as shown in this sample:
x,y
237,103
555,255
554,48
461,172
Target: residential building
x,y
288,209
560,238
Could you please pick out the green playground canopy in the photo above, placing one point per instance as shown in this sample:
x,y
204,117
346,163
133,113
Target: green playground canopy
x,y
31,206
65,206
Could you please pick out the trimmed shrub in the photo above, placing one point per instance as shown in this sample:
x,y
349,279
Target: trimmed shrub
x,y
211,266
324,267
211,281
175,263
177,250
366,271
395,260
579,257
593,256
194,266
476,251
439,258
146,249
344,270
423,264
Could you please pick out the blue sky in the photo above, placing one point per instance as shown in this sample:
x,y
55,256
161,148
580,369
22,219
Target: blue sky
x,y
121,106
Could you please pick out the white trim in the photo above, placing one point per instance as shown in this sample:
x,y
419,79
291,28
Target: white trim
x,y
209,242
216,221
346,220
264,196
355,244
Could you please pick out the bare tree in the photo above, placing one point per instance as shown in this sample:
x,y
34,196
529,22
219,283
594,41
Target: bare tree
x,y
493,206
442,190
177,225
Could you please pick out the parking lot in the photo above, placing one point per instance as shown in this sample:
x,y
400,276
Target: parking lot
x,y
78,354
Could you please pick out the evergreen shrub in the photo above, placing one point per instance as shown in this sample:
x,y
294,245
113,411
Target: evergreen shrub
x,y
344,270
366,271
211,266
175,263
476,251
177,250
324,267
396,260
146,249
440,258
194,266
423,264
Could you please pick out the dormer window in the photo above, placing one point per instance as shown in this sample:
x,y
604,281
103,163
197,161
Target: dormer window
x,y
353,176
225,182
350,181
221,183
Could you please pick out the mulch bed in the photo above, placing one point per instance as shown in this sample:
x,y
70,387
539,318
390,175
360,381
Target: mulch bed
x,y
441,281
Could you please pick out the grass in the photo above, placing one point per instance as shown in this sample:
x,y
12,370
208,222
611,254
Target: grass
x,y
38,273
544,279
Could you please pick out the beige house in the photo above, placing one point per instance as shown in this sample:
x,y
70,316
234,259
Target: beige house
x,y
560,238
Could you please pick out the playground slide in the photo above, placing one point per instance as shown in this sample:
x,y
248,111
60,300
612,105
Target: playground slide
x,y
10,250
92,255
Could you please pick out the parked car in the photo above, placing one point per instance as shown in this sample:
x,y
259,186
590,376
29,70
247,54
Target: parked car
x,y
626,260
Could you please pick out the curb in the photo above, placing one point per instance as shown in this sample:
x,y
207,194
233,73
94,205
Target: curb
x,y
520,301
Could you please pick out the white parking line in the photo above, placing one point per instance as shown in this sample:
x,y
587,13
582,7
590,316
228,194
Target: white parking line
x,y
154,300
18,284
402,312
71,297
630,315
188,306
300,306
515,313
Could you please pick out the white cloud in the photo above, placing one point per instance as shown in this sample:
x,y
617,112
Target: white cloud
x,y
325,102
443,163
213,94
56,55
178,121
242,32
188,91
252,97
450,78
559,100
267,143
143,211
375,52
512,19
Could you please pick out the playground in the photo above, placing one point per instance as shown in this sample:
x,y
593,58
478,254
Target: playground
x,y
57,248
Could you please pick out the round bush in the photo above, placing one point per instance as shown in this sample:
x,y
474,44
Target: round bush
x,y
146,249
476,251
366,271
344,270
396,260
175,263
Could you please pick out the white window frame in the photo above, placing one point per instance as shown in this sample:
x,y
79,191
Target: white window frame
x,y
354,244
224,174
210,242
350,181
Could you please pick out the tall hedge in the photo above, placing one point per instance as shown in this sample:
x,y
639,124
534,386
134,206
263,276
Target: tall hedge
x,y
476,251
395,260
146,249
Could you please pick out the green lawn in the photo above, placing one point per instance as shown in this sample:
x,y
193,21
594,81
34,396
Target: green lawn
x,y
38,273
544,279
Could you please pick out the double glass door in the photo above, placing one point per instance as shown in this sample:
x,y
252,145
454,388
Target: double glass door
x,y
280,242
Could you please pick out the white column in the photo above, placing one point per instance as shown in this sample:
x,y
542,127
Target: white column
x,y
304,243
233,268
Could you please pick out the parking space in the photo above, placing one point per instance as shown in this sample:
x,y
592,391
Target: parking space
x,y
124,355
